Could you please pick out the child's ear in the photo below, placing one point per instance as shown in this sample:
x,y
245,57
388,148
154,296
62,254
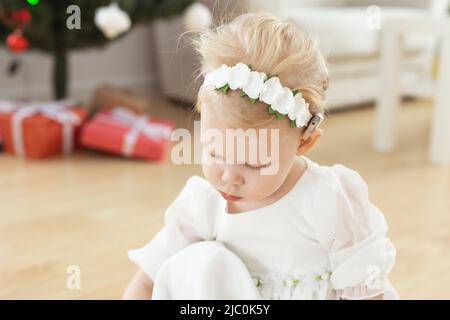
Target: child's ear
x,y
306,144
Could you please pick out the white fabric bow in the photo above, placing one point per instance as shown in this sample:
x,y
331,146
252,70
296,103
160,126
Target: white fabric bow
x,y
140,125
58,111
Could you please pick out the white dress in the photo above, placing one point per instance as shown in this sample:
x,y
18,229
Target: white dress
x,y
323,240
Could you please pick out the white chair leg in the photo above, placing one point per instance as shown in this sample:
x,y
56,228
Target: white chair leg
x,y
388,99
439,151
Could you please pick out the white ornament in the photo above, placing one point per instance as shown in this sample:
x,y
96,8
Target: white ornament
x,y
197,17
112,20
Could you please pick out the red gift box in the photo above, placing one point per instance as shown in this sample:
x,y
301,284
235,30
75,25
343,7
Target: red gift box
x,y
7,106
40,130
122,132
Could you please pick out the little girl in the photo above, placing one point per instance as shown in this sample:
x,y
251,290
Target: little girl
x,y
303,231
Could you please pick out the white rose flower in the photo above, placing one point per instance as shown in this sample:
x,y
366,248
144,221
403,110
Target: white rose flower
x,y
255,84
303,117
208,80
300,112
219,77
271,90
289,283
239,76
284,103
299,106
325,276
112,20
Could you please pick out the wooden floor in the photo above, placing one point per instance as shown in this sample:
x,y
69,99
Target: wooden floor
x,y
88,210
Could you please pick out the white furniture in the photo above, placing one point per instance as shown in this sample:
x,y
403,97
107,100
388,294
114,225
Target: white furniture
x,y
342,28
349,35
391,86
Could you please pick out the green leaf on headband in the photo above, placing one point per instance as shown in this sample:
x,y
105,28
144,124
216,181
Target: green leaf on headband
x,y
243,94
293,124
271,110
249,66
253,100
295,92
224,88
279,115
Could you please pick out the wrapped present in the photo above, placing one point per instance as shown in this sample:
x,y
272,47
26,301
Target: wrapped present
x,y
40,130
122,132
6,107
111,97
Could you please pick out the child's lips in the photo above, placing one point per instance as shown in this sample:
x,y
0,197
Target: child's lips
x,y
229,197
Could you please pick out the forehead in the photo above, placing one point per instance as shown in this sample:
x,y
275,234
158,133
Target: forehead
x,y
233,110
212,122
221,112
230,110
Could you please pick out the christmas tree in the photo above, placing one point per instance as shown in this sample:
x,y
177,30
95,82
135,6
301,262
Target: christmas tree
x,y
58,26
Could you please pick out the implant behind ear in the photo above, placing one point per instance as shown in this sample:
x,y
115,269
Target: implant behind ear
x,y
313,124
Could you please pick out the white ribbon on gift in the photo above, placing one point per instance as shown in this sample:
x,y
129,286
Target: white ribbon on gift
x,y
7,106
58,111
140,124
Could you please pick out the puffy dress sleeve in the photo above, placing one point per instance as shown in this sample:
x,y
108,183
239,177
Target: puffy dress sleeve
x,y
360,254
184,224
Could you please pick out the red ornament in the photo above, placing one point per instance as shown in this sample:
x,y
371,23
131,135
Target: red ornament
x,y
21,17
17,42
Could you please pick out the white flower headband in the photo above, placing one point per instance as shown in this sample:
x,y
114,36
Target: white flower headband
x,y
255,85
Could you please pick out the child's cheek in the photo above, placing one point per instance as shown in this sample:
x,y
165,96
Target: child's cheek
x,y
211,172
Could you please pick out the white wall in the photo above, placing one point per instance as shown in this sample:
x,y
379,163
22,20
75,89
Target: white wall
x,y
125,62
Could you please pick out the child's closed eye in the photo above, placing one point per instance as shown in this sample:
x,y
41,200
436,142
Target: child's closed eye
x,y
251,166
257,166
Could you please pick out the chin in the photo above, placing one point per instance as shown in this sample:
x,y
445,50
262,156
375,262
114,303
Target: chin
x,y
255,198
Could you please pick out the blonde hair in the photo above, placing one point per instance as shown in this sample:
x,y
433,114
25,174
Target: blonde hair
x,y
271,46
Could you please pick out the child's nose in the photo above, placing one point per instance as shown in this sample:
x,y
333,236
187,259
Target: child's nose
x,y
231,177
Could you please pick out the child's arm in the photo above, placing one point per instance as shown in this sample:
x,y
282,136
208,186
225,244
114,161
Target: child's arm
x,y
139,288
186,221
379,297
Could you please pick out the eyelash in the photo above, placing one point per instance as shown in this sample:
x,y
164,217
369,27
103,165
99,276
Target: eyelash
x,y
256,168
247,165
